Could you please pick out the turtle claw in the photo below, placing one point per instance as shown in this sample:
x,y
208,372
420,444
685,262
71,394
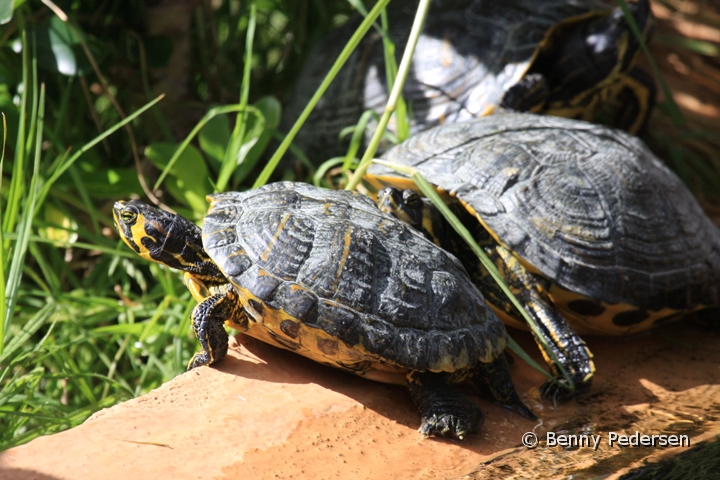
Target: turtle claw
x,y
558,389
445,411
448,425
201,358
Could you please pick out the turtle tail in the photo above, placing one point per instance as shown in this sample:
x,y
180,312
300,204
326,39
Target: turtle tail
x,y
494,381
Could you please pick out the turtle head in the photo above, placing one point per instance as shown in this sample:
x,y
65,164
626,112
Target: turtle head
x,y
410,208
612,37
165,238
405,205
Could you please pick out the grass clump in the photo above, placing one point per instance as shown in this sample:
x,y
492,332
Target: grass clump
x,y
85,322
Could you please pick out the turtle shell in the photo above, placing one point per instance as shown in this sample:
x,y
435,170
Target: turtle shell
x,y
326,274
469,54
586,206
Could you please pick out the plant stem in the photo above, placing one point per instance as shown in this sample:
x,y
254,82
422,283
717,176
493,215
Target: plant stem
x,y
403,70
344,55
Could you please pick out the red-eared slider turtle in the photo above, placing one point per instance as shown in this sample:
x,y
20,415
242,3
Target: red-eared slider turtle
x,y
327,275
558,57
583,221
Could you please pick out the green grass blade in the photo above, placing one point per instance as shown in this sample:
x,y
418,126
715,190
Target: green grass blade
x,y
697,46
28,329
403,70
85,198
67,164
391,69
25,224
342,58
358,133
528,359
429,191
232,155
74,418
16,191
34,107
324,168
49,281
122,252
63,358
3,312
675,113
150,324
206,118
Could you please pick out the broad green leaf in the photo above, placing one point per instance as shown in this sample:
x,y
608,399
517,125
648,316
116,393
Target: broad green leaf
x,y
189,179
61,43
6,11
111,183
68,226
59,48
214,138
271,110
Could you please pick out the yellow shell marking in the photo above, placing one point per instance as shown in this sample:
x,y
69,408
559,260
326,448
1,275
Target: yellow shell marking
x,y
266,254
314,343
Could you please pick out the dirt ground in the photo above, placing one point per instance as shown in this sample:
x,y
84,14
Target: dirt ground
x,y
266,413
666,381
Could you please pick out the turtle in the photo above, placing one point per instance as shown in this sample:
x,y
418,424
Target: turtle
x,y
327,275
590,230
474,57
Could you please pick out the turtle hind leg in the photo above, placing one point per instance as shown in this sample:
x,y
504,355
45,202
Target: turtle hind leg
x,y
445,411
208,318
494,381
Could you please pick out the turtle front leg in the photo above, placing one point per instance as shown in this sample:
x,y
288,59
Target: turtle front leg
x,y
445,411
562,348
566,346
208,318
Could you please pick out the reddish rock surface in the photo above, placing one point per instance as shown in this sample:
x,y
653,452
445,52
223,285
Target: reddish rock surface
x,y
267,413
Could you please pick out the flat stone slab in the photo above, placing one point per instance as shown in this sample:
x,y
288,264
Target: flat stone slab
x,y
269,413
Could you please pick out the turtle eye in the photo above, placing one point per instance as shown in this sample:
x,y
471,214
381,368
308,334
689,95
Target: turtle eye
x,y
411,198
128,215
